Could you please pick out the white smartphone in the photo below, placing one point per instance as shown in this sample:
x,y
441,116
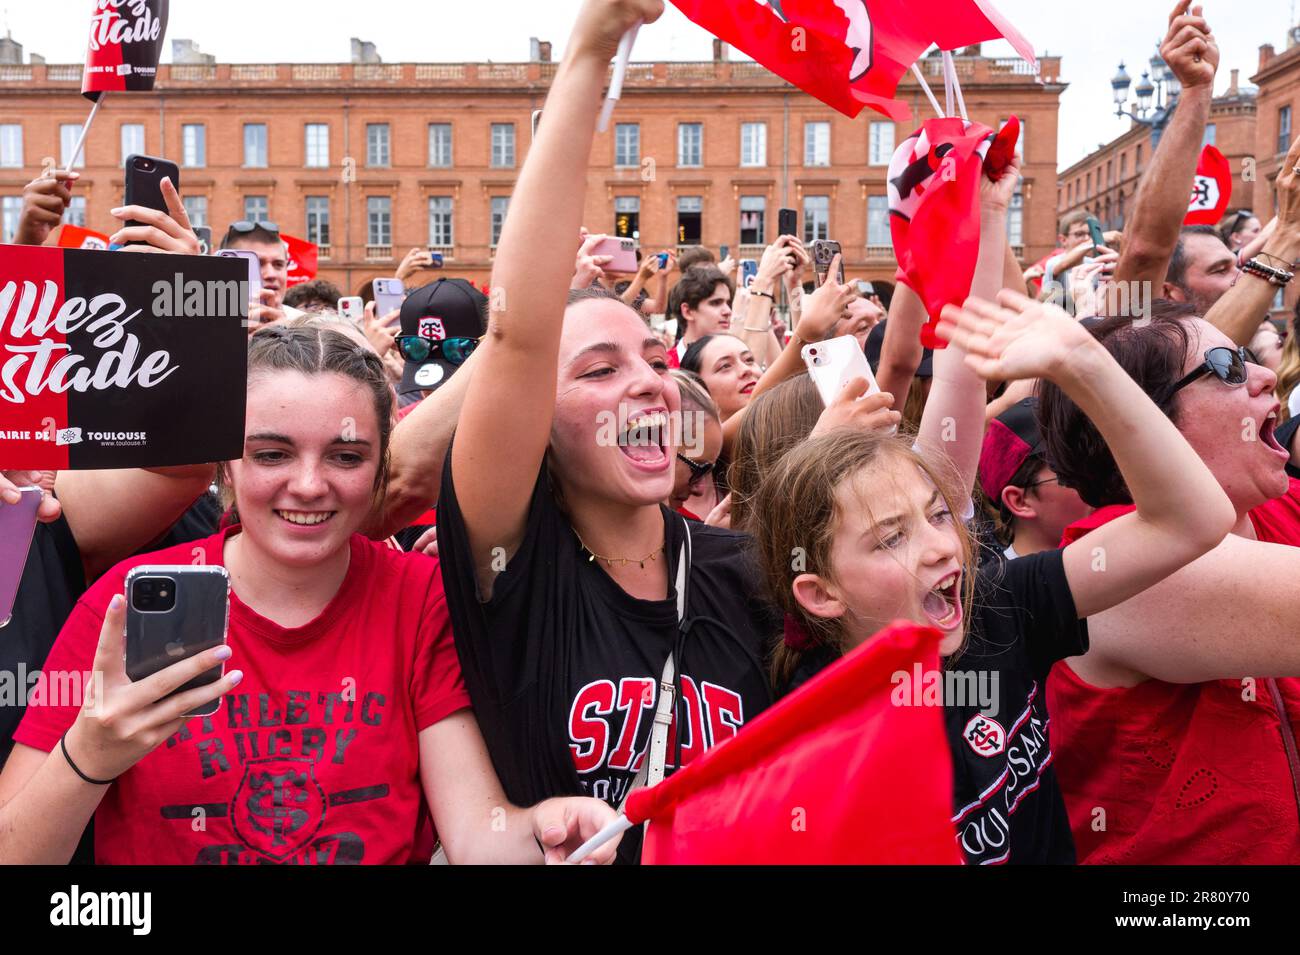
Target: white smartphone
x,y
254,269
833,364
389,294
352,308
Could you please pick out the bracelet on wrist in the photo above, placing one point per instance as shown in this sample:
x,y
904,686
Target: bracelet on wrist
x,y
766,295
1283,263
63,745
1278,278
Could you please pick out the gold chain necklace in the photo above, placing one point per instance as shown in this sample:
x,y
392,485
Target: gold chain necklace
x,y
621,561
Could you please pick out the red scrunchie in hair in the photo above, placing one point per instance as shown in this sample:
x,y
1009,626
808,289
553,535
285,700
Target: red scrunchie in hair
x,y
796,637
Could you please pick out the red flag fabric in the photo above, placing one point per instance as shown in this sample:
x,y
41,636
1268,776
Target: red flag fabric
x,y
934,181
303,258
850,53
75,237
126,38
838,772
1211,189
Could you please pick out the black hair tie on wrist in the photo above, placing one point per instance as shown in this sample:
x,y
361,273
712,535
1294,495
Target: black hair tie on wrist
x,y
63,745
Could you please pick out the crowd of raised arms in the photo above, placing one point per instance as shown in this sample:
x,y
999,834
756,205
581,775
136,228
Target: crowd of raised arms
x,y
459,608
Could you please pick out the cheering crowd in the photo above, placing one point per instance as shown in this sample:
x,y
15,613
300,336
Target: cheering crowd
x,y
497,560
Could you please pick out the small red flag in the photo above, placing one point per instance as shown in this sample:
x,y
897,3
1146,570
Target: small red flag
x,y
75,237
934,183
124,45
1211,189
850,53
835,773
303,257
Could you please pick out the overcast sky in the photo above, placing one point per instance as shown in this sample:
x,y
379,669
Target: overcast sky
x,y
1092,36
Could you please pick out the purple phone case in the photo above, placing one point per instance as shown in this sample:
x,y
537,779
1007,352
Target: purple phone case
x,y
17,526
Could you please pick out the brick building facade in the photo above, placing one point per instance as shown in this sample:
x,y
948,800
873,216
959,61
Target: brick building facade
x,y
370,159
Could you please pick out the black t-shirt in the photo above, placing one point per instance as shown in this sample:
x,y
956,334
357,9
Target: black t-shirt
x,y
1285,435
200,521
1007,805
53,580
563,666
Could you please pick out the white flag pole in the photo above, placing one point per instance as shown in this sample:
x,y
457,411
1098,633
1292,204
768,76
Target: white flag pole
x,y
621,824
950,72
85,129
620,73
929,94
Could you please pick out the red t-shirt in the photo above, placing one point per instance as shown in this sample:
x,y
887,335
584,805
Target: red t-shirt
x,y
1185,773
313,758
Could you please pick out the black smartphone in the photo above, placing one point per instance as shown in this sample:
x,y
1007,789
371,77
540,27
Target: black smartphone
x,y
144,176
787,222
172,613
1094,230
725,251
205,239
823,253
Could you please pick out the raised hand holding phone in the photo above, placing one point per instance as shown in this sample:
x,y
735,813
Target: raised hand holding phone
x,y
122,721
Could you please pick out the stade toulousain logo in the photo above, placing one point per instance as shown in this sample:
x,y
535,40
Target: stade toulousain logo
x,y
858,37
985,735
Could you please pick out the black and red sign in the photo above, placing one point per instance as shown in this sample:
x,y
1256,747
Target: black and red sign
x,y
115,360
126,38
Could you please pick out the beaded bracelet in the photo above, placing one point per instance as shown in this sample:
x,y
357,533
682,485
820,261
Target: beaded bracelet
x,y
1275,277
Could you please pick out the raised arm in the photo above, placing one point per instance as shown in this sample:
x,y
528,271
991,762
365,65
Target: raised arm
x,y
1161,205
901,351
1182,512
505,422
953,420
1238,313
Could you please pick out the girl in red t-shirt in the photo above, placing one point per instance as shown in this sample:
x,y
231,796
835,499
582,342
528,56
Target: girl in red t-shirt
x,y
343,711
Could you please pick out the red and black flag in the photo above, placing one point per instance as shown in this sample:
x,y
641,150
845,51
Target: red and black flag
x,y
1211,189
111,360
126,38
851,53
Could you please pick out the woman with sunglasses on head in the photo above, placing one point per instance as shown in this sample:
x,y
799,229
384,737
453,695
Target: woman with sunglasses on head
x,y
343,723
576,596
1181,722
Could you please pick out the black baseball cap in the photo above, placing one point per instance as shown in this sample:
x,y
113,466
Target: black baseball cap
x,y
876,341
446,308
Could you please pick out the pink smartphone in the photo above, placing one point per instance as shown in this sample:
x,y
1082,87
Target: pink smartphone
x,y
622,251
254,269
17,527
389,295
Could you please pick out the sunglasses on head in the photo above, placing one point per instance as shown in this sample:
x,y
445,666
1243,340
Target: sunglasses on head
x,y
245,226
454,350
1226,364
698,471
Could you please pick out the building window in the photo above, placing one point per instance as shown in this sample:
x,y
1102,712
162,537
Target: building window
x,y
816,144
1211,135
753,220
76,214
1089,193
254,145
379,220
440,232
1137,160
257,208
1123,166
753,146
1016,217
627,144
317,139
440,144
377,145
196,207
132,135
1284,129
500,206
816,218
690,220
68,134
11,145
878,232
12,207
690,144
503,145
194,145
1110,173
318,220
881,148
627,217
